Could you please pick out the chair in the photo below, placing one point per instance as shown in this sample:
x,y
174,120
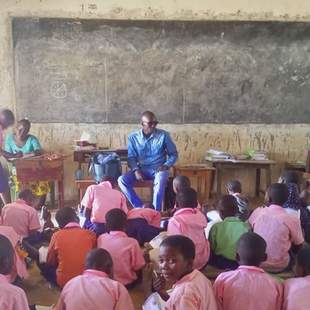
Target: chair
x,y
82,186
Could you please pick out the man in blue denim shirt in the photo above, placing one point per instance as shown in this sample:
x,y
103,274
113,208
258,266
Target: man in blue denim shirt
x,y
151,152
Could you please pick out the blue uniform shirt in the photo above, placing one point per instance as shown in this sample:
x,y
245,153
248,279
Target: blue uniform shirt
x,y
151,152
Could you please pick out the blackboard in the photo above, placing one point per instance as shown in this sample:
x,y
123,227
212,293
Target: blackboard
x,y
104,71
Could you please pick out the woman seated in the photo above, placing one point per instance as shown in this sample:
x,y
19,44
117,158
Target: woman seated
x,y
21,141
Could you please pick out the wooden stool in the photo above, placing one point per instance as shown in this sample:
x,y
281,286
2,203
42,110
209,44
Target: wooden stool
x,y
148,184
202,175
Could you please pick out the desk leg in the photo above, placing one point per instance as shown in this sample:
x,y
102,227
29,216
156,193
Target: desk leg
x,y
81,194
268,177
218,180
257,184
52,184
60,194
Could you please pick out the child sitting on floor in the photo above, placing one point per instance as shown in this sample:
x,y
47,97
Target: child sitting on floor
x,y
280,229
191,290
143,224
190,222
248,286
95,289
127,256
296,291
293,202
67,249
98,200
19,267
180,182
305,213
234,188
224,235
11,297
22,216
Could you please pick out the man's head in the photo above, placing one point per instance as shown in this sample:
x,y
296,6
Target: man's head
x,y
181,182
100,259
227,206
65,216
186,198
148,122
233,187
116,220
6,256
7,118
251,249
277,194
27,196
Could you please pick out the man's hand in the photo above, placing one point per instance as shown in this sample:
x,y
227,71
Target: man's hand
x,y
138,175
163,168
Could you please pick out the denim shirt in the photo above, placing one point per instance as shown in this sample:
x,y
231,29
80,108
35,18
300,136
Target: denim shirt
x,y
151,152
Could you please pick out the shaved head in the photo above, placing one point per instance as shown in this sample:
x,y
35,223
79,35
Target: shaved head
x,y
149,115
148,122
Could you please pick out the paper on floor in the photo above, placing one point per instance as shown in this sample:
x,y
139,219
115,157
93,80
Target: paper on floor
x,y
154,302
43,254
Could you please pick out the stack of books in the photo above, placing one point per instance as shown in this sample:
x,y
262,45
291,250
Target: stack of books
x,y
259,155
213,154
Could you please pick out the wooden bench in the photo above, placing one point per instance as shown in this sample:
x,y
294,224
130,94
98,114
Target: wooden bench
x,y
83,184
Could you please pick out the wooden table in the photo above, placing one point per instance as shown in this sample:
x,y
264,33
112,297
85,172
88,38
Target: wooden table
x,y
41,169
83,156
202,175
258,165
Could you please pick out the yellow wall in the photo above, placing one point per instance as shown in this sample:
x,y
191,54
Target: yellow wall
x,y
284,142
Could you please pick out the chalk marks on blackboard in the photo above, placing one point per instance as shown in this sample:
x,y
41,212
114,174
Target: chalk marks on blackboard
x,y
58,89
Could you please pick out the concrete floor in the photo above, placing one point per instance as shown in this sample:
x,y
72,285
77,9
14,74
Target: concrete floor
x,y
39,292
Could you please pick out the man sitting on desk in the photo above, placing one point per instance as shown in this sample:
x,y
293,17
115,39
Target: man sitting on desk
x,y
151,152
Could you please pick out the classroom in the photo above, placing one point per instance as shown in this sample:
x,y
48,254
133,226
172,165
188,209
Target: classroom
x,y
178,129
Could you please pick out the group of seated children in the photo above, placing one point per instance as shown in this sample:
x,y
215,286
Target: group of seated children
x,y
246,248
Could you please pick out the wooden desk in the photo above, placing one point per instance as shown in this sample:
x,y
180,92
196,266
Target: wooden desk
x,y
221,165
40,169
83,156
202,175
295,166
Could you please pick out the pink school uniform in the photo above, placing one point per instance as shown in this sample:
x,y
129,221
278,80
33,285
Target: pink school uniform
x,y
152,217
11,296
296,294
126,255
19,267
192,292
280,230
191,223
101,198
21,217
94,290
248,288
